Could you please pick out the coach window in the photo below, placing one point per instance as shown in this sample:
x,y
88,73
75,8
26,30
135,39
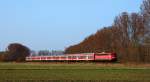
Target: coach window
x,y
80,57
69,57
90,57
85,57
74,57
66,57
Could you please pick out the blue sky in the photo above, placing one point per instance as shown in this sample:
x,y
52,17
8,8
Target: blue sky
x,y
57,24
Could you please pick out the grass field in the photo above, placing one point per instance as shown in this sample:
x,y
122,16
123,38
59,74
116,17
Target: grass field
x,y
83,72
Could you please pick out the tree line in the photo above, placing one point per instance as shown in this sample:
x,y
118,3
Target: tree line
x,y
128,36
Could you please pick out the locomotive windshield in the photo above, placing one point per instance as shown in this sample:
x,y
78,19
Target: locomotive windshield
x,y
102,54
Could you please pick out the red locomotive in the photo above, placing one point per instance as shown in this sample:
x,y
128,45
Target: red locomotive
x,y
76,57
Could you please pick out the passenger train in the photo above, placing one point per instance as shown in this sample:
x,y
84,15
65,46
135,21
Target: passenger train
x,y
76,57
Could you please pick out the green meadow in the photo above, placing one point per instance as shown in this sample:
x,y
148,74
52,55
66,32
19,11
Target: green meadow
x,y
83,72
